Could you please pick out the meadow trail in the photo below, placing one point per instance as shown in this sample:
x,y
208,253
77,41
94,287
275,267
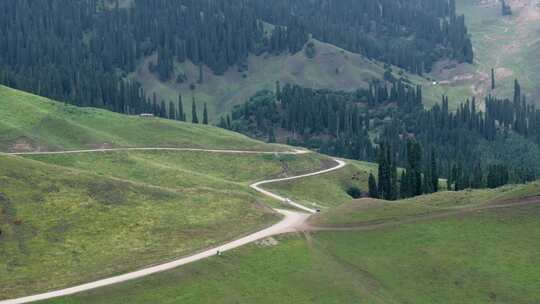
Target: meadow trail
x,y
292,221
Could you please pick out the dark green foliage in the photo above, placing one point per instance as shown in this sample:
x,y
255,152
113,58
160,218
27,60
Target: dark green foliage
x,y
492,78
81,51
194,116
339,123
498,175
354,192
410,34
506,9
311,51
387,185
181,115
373,189
172,111
205,114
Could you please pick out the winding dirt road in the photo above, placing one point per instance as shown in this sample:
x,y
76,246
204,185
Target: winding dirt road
x,y
291,222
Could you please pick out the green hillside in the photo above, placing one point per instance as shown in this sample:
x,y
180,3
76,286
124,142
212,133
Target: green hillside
x,y
61,226
33,123
508,44
329,190
331,68
485,256
64,219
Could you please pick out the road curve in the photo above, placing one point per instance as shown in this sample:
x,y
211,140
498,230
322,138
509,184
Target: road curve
x,y
291,221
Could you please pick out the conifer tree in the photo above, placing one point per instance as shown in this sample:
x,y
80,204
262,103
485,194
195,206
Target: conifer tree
x,y
271,135
373,189
492,78
205,114
194,117
434,172
181,114
172,111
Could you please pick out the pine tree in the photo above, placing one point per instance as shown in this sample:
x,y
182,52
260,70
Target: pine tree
x,y
172,111
194,117
205,114
384,173
373,189
181,114
271,135
434,172
403,186
163,109
492,78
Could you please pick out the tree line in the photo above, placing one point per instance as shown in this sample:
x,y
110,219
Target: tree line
x,y
469,147
412,34
81,52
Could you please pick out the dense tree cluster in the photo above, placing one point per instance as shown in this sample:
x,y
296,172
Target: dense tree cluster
x,y
467,146
412,34
82,51
419,177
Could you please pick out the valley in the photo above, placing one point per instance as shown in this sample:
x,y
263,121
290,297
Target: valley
x,y
284,151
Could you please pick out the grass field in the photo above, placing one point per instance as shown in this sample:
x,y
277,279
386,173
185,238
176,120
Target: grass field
x,y
328,190
508,44
68,219
61,227
30,122
370,211
177,170
479,257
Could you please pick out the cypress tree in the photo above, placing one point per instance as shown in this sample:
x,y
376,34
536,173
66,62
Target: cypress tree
x,y
373,189
434,172
492,78
163,109
403,186
172,111
384,173
194,117
205,114
271,135
181,114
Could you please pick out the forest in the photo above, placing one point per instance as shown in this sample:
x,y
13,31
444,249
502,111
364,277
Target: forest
x,y
387,123
81,52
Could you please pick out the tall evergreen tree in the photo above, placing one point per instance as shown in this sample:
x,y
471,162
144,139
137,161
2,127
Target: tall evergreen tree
x,y
373,189
181,114
194,117
492,78
205,114
434,172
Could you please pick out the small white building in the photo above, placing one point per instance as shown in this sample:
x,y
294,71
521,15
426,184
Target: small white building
x,y
146,115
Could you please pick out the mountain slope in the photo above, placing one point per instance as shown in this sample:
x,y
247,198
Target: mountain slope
x,y
30,123
71,218
331,68
484,256
61,226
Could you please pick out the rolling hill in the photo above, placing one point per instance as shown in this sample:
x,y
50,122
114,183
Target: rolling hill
x,y
331,68
71,218
32,123
472,256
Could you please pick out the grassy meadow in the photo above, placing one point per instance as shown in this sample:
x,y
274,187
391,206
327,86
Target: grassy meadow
x,y
30,123
477,257
62,226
